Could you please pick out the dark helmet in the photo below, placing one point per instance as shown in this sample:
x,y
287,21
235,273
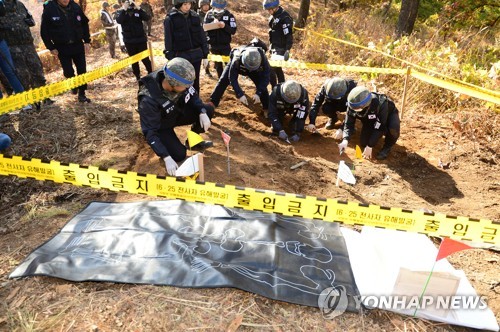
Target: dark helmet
x,y
251,58
336,88
218,4
291,91
179,72
180,2
269,4
203,2
359,98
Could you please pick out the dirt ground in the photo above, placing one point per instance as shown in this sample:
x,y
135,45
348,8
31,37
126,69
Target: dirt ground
x,y
106,133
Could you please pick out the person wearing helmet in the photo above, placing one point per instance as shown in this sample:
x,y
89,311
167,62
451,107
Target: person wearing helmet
x,y
280,36
203,8
219,40
5,141
167,99
185,37
332,99
292,98
379,116
248,61
131,18
109,26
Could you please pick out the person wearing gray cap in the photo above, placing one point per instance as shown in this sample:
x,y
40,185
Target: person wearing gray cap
x,y
167,99
379,116
109,26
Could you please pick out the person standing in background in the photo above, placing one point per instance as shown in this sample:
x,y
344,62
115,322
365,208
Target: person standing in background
x,y
65,32
15,30
110,28
118,28
280,37
185,37
131,18
146,6
219,39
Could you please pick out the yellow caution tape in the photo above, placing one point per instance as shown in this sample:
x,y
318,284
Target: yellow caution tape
x,y
455,87
433,224
35,95
408,63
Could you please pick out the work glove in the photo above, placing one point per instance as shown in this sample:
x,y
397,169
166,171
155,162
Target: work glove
x,y
205,121
338,134
295,138
244,100
282,135
170,165
204,63
286,56
342,146
367,153
256,99
311,127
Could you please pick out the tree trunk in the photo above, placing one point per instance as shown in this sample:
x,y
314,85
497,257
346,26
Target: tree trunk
x,y
407,17
303,13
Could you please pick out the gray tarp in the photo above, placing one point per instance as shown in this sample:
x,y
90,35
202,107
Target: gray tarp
x,y
195,245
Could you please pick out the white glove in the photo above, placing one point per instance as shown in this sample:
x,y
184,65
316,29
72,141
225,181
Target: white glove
x,y
244,100
170,165
205,121
342,146
367,153
204,63
256,99
311,127
338,134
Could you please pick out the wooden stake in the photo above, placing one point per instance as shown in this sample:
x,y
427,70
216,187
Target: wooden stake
x,y
201,168
151,56
405,90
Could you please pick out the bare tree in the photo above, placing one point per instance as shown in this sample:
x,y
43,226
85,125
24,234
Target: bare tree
x,y
303,13
407,17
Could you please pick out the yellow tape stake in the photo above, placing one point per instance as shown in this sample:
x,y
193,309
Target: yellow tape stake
x,y
433,224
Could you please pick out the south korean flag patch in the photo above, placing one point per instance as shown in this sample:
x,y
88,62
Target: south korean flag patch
x,y
286,29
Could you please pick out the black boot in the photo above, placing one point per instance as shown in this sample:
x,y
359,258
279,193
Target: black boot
x,y
83,99
384,153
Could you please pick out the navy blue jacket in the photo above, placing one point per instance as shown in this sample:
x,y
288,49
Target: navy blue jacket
x,y
278,107
236,68
220,39
158,112
281,31
63,26
131,21
184,36
375,118
338,105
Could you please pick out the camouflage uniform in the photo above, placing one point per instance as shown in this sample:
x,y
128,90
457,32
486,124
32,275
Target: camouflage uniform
x,y
110,28
149,10
15,29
